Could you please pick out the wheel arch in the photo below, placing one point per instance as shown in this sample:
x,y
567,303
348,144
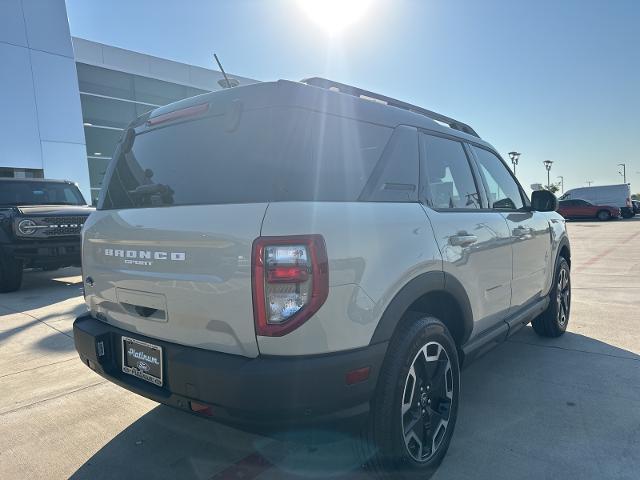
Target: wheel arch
x,y
434,293
564,251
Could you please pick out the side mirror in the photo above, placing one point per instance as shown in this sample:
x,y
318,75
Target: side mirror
x,y
544,201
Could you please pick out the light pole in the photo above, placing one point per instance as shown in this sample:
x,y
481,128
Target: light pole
x,y
561,184
624,171
514,156
547,165
589,182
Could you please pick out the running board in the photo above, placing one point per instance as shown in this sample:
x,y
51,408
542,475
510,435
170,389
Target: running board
x,y
501,331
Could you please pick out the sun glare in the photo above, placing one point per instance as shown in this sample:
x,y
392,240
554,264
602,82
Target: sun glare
x,y
335,16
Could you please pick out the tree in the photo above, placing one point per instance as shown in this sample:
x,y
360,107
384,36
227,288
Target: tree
x,y
553,188
635,196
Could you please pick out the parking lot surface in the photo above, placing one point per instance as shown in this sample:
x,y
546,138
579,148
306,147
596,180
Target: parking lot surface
x,y
531,408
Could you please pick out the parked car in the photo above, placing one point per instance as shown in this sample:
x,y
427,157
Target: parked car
x,y
40,223
584,209
613,195
319,253
636,206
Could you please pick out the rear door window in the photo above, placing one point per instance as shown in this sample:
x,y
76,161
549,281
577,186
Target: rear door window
x,y
447,175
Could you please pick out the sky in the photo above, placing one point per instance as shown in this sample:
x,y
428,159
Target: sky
x,y
556,80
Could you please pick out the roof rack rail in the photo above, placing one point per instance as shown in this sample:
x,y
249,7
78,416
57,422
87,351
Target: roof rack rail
x,y
358,92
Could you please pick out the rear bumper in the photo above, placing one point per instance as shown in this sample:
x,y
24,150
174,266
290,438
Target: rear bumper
x,y
259,393
43,254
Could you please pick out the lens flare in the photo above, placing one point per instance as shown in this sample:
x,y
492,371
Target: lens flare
x,y
335,16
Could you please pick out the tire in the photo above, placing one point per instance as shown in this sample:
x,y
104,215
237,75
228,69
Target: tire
x,y
422,355
603,215
554,320
10,274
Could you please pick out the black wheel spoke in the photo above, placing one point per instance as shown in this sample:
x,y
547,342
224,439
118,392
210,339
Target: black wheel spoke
x,y
440,412
438,380
414,425
565,300
438,419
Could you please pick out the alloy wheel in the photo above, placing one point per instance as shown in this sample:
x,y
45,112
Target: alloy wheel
x,y
563,297
426,402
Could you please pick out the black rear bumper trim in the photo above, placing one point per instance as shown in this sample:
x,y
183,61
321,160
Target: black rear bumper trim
x,y
262,392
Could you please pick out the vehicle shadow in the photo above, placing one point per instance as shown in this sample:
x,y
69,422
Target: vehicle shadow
x,y
531,408
635,218
42,289
51,298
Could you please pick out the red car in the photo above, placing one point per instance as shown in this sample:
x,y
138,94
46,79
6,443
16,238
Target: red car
x,y
584,209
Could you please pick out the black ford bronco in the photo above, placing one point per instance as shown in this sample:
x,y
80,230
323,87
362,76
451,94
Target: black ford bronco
x,y
40,223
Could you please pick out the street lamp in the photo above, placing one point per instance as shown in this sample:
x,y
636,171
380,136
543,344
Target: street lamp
x,y
561,184
547,165
589,182
624,171
514,156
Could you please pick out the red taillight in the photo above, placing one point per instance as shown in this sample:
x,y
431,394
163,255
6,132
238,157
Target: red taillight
x,y
290,277
287,275
177,114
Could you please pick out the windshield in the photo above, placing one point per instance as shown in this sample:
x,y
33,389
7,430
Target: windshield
x,y
39,193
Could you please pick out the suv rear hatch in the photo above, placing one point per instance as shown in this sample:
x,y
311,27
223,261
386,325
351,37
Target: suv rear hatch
x,y
169,249
180,274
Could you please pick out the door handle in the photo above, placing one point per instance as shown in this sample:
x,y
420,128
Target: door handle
x,y
462,240
523,233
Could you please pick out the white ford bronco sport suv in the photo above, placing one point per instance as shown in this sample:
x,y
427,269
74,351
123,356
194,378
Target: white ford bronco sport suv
x,y
293,253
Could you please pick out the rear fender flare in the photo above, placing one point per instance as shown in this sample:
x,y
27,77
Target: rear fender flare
x,y
429,282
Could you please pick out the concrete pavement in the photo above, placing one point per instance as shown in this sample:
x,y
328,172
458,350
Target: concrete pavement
x,y
531,408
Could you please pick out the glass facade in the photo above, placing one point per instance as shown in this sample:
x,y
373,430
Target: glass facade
x,y
110,100
9,172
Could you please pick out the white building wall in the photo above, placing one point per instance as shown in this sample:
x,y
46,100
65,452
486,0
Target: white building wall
x,y
40,113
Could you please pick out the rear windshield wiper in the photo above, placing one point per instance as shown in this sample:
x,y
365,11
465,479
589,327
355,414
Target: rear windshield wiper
x,y
151,189
157,193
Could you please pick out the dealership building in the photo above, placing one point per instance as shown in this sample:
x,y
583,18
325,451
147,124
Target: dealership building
x,y
64,101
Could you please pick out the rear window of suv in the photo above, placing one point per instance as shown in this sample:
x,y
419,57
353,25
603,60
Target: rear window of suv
x,y
273,154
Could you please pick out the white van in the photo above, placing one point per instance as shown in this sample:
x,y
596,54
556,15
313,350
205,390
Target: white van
x,y
612,195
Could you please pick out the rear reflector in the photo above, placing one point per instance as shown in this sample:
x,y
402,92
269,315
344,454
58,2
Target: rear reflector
x,y
357,376
178,114
201,408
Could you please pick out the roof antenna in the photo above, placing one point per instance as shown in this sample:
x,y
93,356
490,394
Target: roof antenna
x,y
227,82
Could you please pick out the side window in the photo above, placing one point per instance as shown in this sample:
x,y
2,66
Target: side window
x,y
447,176
503,190
70,197
395,177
